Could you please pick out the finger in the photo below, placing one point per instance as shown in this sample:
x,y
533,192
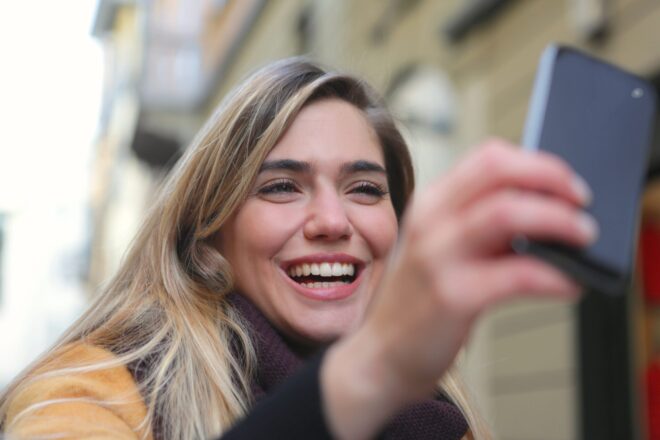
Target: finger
x,y
515,276
490,225
500,164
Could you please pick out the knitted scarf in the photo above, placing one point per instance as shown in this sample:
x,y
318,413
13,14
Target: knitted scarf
x,y
437,419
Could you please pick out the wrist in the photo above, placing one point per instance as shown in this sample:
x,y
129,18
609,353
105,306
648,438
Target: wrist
x,y
361,390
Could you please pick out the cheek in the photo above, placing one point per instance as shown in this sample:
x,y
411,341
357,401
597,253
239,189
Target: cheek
x,y
264,228
379,228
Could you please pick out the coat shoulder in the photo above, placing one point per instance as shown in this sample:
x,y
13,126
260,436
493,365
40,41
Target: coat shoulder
x,y
82,391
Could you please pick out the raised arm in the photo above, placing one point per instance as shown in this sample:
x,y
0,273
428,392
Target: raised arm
x,y
453,262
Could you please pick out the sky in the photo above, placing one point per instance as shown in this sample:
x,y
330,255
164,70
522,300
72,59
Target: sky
x,y
50,90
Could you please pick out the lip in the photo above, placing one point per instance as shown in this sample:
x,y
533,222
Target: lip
x,y
335,293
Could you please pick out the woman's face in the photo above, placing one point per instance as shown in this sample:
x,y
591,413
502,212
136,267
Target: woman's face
x,y
310,243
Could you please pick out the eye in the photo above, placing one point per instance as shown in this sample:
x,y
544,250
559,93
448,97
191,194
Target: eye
x,y
369,190
279,186
280,190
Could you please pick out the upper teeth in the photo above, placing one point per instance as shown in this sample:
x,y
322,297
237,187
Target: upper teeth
x,y
323,269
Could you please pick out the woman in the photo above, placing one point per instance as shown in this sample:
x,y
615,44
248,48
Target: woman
x,y
301,177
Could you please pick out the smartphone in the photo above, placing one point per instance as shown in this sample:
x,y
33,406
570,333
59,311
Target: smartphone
x,y
599,119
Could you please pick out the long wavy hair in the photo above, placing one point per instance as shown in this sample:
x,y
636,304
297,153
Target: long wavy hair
x,y
166,308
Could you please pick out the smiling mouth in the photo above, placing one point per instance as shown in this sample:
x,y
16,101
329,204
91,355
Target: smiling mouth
x,y
323,275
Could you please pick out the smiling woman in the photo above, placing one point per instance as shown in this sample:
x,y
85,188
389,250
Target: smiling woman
x,y
281,233
323,188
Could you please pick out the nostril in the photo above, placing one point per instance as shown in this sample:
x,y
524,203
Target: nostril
x,y
328,224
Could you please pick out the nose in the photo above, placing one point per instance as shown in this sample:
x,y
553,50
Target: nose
x,y
327,218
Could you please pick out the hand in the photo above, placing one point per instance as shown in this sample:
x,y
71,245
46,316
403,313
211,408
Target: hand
x,y
454,261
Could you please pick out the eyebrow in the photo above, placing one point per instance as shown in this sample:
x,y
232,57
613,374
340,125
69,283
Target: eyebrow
x,y
362,166
286,165
306,167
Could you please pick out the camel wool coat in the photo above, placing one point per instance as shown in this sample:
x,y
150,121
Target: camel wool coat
x,y
92,414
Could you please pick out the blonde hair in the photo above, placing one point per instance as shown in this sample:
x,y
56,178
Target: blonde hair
x,y
165,312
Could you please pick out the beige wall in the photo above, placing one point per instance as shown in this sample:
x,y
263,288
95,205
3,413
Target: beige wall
x,y
120,184
272,38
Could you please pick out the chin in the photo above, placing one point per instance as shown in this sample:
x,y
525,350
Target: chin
x,y
323,330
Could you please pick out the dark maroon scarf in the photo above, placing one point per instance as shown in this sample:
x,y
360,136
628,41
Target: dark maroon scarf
x,y
437,419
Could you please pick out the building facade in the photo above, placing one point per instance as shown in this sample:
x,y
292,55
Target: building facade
x,y
454,72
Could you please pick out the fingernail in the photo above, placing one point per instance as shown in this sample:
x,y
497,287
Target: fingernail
x,y
581,188
588,227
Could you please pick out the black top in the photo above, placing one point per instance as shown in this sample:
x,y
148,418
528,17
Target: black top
x,y
293,411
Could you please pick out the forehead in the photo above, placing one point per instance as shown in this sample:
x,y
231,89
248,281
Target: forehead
x,y
326,131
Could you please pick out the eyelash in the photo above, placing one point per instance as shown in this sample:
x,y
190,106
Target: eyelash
x,y
370,189
279,186
287,186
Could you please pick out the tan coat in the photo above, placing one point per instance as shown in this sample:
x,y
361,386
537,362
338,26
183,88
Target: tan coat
x,y
108,403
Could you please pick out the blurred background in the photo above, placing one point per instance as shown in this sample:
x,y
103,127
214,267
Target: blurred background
x,y
99,99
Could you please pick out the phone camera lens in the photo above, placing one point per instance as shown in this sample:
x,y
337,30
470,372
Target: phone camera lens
x,y
637,93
